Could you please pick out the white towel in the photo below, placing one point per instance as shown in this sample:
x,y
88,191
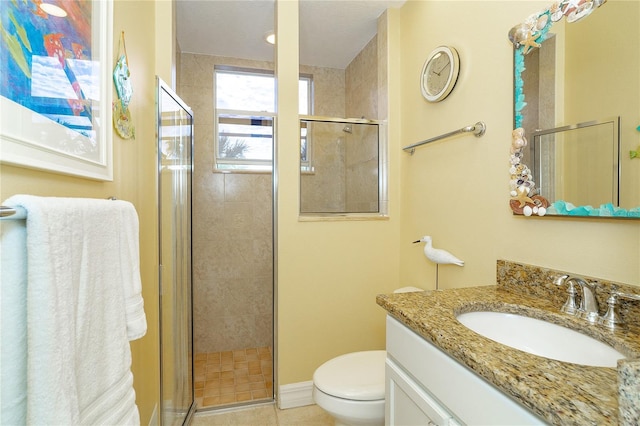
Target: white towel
x,y
84,304
13,318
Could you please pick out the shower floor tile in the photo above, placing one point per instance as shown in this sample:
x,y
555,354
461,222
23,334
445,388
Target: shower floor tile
x,y
223,378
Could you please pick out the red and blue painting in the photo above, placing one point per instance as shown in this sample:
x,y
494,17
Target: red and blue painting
x,y
46,61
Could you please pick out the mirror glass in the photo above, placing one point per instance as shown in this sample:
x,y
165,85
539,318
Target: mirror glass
x,y
577,163
577,63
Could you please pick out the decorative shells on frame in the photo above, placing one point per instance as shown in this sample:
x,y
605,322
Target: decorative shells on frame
x,y
526,36
524,197
533,30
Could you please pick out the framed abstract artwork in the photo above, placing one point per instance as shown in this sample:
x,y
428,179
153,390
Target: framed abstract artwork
x,y
55,86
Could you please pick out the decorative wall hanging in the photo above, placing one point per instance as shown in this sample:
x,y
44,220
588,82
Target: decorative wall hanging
x,y
54,91
122,80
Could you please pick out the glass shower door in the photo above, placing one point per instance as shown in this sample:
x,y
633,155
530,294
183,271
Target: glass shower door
x,y
175,168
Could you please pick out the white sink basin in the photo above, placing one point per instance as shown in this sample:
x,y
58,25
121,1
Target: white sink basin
x,y
541,338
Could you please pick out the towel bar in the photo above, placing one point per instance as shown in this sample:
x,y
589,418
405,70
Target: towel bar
x,y
12,213
477,129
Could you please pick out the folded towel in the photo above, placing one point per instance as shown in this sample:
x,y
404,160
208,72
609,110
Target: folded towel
x,y
129,250
13,317
84,304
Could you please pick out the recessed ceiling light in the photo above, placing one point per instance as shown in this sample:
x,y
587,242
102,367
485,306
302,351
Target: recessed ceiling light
x,y
270,37
53,10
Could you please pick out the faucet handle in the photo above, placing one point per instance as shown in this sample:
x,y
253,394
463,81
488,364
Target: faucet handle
x,y
629,296
611,319
569,306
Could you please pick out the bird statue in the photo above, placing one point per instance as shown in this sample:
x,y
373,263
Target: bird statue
x,y
438,256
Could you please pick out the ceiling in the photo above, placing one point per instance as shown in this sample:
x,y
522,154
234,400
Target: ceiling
x,y
332,32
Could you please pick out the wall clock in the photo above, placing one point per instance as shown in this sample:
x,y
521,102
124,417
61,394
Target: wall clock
x,y
439,73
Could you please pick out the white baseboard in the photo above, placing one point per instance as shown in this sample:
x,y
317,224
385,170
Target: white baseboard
x,y
295,395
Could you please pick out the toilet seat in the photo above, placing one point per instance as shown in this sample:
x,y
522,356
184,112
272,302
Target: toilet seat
x,y
356,376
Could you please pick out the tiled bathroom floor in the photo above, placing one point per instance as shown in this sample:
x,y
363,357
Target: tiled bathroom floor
x,y
265,415
223,378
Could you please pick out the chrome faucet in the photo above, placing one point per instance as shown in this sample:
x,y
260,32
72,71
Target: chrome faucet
x,y
588,308
588,304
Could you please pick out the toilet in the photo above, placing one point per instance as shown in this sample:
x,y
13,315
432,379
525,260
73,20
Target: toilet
x,y
350,387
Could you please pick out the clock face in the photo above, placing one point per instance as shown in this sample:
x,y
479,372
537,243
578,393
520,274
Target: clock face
x,y
439,73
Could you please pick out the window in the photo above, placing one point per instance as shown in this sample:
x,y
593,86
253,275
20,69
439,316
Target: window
x,y
245,108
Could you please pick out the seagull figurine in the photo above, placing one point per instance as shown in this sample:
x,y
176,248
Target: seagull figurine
x,y
438,256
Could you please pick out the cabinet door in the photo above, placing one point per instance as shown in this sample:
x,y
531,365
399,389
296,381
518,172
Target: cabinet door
x,y
408,404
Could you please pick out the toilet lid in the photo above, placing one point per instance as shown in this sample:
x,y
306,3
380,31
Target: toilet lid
x,y
358,376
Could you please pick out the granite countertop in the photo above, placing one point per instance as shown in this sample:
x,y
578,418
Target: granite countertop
x,y
561,393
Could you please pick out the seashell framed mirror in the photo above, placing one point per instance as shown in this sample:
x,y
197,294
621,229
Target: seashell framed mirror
x,y
577,111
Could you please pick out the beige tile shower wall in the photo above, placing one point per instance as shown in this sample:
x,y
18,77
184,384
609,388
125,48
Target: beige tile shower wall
x,y
233,284
362,170
232,218
325,188
361,82
329,90
232,230
345,165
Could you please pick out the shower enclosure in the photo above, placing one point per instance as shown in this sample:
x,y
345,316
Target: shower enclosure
x,y
233,285
175,168
232,258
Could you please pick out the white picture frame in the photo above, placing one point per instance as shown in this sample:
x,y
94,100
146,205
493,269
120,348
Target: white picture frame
x,y
30,139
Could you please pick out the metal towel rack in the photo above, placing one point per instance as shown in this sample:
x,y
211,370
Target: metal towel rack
x,y
15,213
477,129
12,213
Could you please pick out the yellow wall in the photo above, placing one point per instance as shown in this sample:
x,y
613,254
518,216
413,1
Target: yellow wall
x,y
134,177
328,273
456,190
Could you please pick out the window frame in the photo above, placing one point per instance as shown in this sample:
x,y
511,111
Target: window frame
x,y
229,165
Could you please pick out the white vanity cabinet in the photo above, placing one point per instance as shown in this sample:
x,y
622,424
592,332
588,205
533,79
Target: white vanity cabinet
x,y
409,404
425,386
